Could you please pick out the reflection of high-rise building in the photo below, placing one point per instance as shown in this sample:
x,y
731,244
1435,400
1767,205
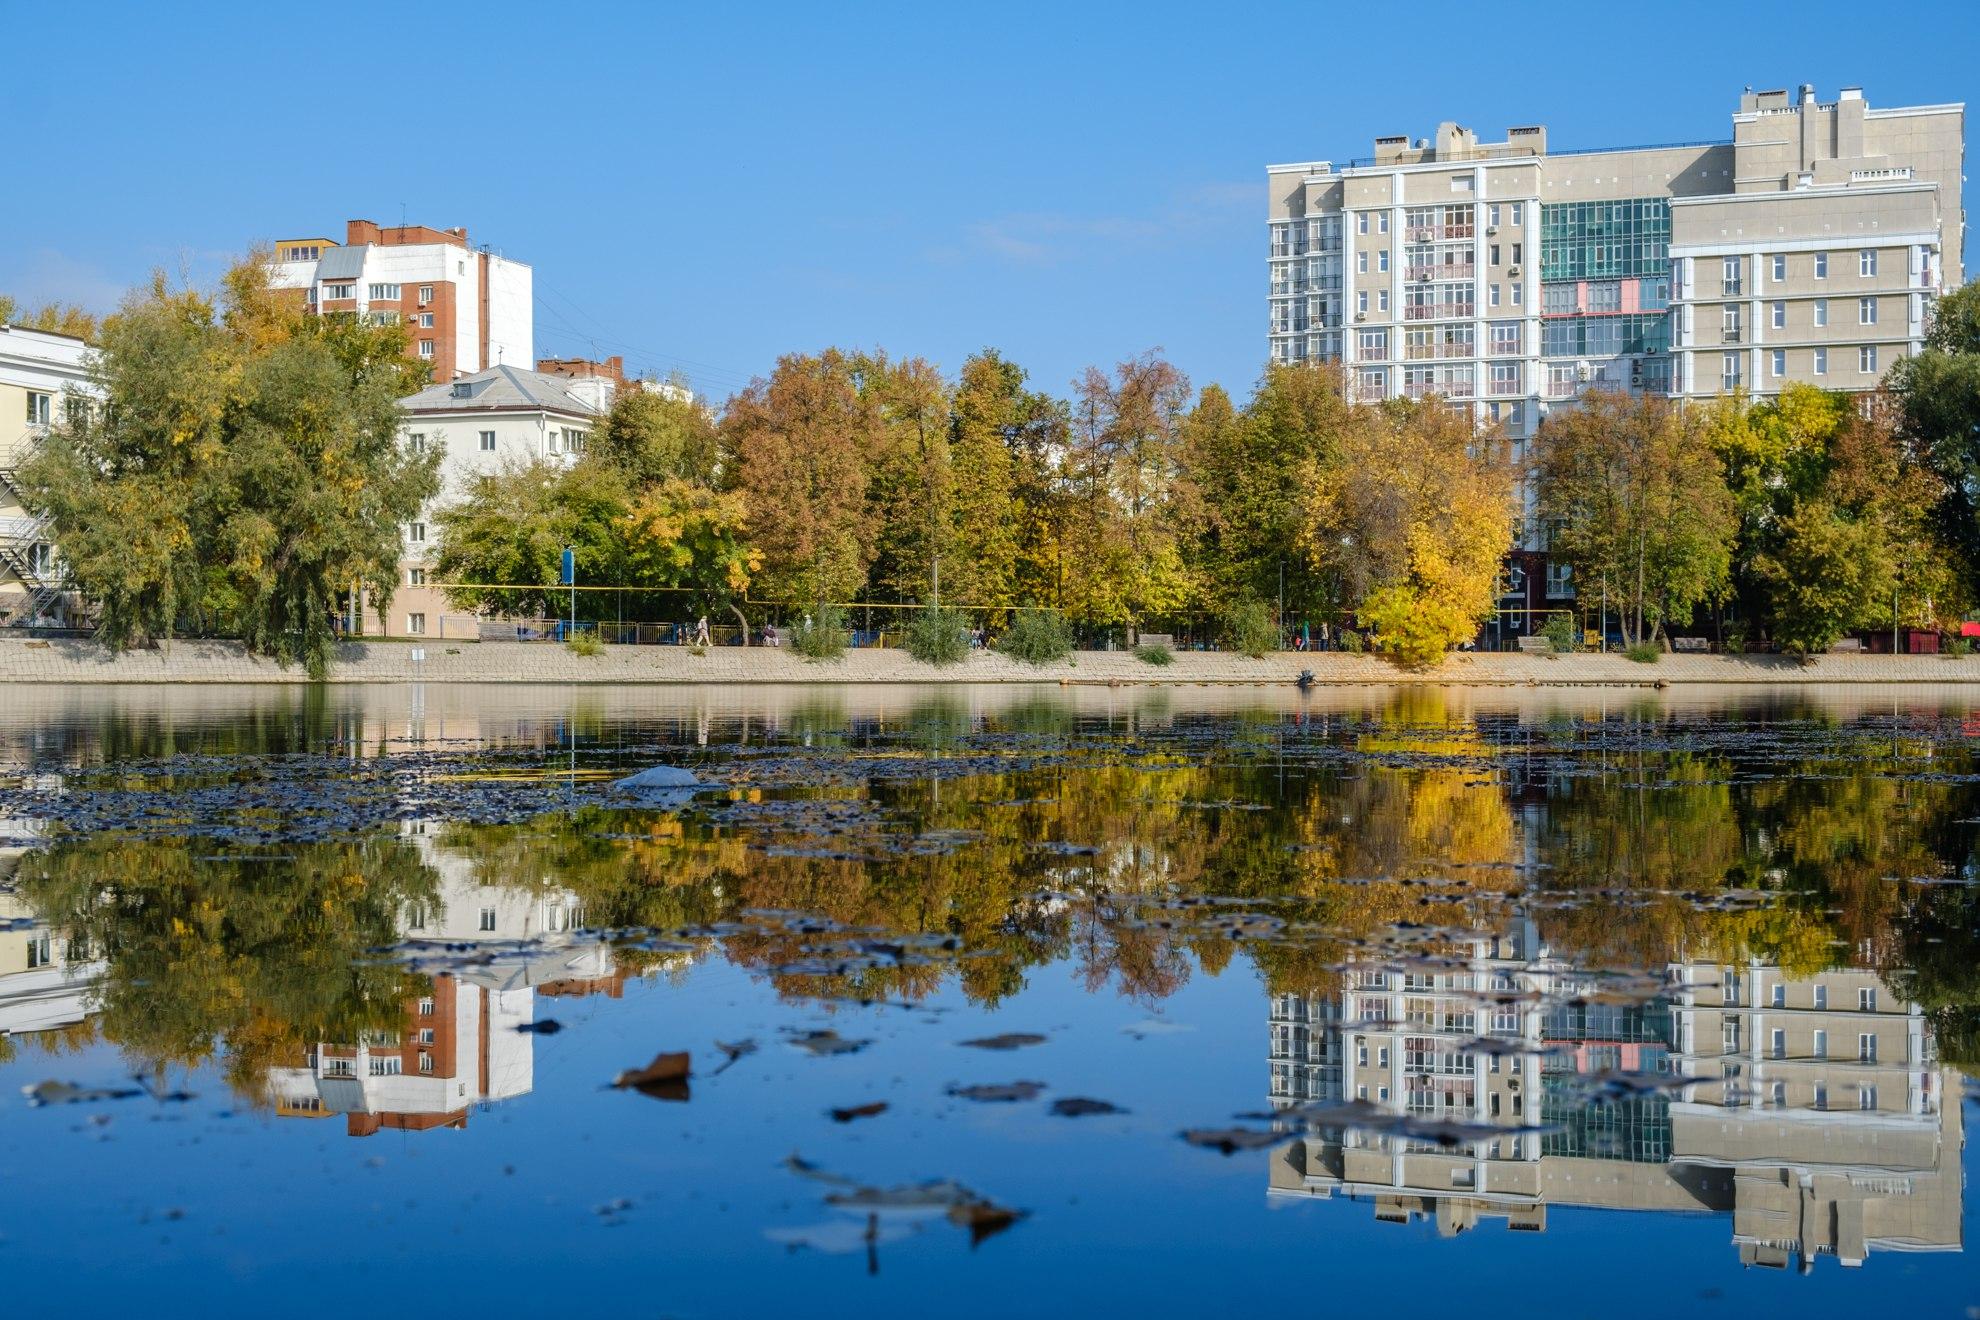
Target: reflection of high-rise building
x,y
47,978
1817,1121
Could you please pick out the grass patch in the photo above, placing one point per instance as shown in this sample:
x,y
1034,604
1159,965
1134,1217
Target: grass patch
x,y
585,643
938,636
1154,655
821,635
1644,653
1037,637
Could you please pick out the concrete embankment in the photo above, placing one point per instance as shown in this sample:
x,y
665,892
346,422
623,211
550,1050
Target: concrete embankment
x,y
67,661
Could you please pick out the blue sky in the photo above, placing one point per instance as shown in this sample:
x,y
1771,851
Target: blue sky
x,y
704,187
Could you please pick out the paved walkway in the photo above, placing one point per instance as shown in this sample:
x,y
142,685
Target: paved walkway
x,y
547,663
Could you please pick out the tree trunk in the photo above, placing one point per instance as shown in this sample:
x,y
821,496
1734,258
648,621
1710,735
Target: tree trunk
x,y
737,611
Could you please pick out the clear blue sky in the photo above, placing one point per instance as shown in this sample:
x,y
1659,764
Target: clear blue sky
x,y
704,187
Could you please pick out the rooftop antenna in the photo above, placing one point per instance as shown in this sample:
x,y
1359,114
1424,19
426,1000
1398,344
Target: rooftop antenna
x,y
402,215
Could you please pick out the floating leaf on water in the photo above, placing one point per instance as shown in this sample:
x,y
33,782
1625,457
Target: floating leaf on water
x,y
666,1078
826,1043
1000,1092
1079,1106
852,1112
1009,1040
983,1219
1229,1141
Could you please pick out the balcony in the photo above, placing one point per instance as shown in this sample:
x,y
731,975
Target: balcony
x,y
1440,311
1449,389
1426,352
1730,334
1564,389
1438,233
1441,272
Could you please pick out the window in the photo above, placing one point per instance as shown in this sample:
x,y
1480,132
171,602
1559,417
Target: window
x,y
75,409
1381,300
1605,295
1560,580
1821,361
416,442
426,1035
1866,262
1492,217
426,320
1820,1047
1778,997
1866,1000
384,293
425,294
1780,315
1866,1047
1730,274
425,1062
488,918
1372,344
1495,254
1729,372
574,441
1821,311
1729,322
1381,222
385,1065
1821,265
426,1008
1780,1095
1780,267
416,532
1821,996
38,408
1382,260
1373,382
1866,1097
1505,337
1361,263
1361,222
1777,1043
416,625
1866,311
1518,214
487,442
426,349
1492,296
1361,302
1866,359
340,291
1821,1095
416,577
1505,378
1518,293
1778,368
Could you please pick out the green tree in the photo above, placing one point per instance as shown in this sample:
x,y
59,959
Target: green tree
x,y
1636,501
1938,392
988,516
245,470
680,535
911,491
510,528
651,435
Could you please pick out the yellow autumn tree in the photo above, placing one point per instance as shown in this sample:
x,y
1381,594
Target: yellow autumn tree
x,y
1414,514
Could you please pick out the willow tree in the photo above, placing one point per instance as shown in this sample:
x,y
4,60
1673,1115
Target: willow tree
x,y
244,471
1637,502
1413,510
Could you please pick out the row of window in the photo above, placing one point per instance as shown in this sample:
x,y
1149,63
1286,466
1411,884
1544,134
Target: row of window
x,y
1732,370
1732,315
1732,269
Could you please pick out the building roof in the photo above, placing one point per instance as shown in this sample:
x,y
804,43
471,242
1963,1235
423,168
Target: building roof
x,y
340,263
503,389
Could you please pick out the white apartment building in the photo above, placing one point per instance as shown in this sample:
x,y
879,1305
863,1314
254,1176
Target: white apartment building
x,y
42,376
465,309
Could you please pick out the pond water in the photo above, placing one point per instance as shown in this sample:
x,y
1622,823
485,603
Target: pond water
x,y
992,1001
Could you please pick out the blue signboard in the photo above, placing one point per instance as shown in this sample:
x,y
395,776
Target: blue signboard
x,y
569,575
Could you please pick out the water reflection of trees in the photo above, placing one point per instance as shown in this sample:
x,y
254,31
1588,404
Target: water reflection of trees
x,y
1622,861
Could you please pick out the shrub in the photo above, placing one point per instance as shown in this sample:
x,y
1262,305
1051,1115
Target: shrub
x,y
938,637
821,635
1959,646
1644,653
1154,655
1733,642
585,643
1249,628
1560,632
1037,637
1352,642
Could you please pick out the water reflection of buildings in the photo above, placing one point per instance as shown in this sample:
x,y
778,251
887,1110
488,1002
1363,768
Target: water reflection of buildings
x,y
464,1043
1819,1119
47,978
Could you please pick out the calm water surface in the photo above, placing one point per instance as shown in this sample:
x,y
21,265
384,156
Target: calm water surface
x,y
992,1001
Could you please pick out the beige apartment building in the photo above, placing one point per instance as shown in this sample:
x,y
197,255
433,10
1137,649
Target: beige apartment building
x,y
1815,1114
1508,278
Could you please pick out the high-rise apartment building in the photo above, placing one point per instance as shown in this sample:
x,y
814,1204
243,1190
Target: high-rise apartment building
x,y
1809,247
465,309
1508,279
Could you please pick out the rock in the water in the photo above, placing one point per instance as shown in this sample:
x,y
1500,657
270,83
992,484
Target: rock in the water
x,y
658,779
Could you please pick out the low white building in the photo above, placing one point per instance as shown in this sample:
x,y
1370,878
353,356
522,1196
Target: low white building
x,y
40,374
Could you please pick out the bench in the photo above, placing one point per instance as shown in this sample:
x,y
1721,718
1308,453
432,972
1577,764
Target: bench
x,y
1847,644
1691,644
1534,644
1167,641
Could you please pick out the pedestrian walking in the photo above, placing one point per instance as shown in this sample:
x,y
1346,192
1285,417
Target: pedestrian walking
x,y
701,631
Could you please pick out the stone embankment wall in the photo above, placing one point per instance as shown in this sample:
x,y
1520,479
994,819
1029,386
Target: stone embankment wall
x,y
63,661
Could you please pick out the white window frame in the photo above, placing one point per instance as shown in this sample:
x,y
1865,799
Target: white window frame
x,y
1866,359
487,442
1821,265
426,349
1780,267
1866,311
415,625
1821,312
1821,362
1779,363
1780,314
1866,263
